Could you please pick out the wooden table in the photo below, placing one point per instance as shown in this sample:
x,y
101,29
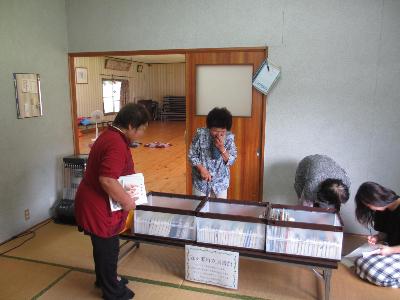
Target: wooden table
x,y
321,267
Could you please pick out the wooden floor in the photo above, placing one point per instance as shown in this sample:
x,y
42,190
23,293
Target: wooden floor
x,y
164,169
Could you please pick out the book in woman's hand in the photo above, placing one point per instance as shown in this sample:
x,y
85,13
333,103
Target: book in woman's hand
x,y
134,185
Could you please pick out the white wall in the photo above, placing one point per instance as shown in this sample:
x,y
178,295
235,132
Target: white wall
x,y
89,97
163,80
339,91
33,40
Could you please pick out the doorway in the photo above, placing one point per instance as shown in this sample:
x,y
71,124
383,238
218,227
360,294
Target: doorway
x,y
248,124
154,80
247,172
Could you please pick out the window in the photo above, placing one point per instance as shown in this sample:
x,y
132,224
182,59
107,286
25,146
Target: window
x,y
111,96
224,85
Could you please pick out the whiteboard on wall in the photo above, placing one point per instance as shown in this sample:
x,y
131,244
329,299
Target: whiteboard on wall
x,y
227,86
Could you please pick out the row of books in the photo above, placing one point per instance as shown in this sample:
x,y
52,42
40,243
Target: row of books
x,y
165,225
297,241
280,214
306,242
231,233
304,248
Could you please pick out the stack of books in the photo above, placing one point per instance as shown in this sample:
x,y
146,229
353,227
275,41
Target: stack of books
x,y
231,233
314,232
165,225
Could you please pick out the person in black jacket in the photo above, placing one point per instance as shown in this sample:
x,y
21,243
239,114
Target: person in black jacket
x,y
379,207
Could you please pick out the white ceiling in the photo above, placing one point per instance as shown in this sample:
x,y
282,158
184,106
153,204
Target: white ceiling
x,y
155,59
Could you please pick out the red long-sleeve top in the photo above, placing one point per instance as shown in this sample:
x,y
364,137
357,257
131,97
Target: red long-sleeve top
x,y
110,156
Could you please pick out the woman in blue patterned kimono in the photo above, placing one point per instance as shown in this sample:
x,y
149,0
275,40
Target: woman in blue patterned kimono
x,y
211,153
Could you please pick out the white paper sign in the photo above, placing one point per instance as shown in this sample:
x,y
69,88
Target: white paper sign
x,y
364,250
212,266
266,76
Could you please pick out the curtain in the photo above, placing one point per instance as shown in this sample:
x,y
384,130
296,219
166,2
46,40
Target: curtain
x,y
124,92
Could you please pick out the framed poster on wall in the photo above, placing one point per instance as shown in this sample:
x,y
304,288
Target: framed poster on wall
x,y
81,75
27,95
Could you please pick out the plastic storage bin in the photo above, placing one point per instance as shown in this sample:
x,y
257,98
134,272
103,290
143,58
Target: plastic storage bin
x,y
304,231
239,224
168,216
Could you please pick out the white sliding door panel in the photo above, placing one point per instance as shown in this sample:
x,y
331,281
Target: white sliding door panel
x,y
227,86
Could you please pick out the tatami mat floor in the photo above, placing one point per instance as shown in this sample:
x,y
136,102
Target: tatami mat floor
x,y
57,264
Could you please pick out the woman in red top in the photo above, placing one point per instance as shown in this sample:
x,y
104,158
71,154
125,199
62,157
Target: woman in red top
x,y
109,158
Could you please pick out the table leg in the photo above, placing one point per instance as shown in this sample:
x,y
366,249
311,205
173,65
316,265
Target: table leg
x,y
327,274
123,251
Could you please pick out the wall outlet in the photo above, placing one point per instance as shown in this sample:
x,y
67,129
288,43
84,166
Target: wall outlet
x,y
27,214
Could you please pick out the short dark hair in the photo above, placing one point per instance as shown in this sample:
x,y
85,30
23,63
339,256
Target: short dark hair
x,y
374,194
333,191
219,118
132,114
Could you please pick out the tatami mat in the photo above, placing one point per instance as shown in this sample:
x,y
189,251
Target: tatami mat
x,y
55,243
23,279
269,280
77,285
156,263
347,286
57,264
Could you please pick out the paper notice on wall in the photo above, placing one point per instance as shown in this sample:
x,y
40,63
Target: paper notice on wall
x,y
266,76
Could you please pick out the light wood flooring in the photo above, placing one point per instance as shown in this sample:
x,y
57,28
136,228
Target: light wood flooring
x,y
164,169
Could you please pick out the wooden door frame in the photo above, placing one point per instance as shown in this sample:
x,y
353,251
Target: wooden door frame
x,y
189,101
190,110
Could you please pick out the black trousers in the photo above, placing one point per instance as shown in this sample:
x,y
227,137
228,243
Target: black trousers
x,y
105,255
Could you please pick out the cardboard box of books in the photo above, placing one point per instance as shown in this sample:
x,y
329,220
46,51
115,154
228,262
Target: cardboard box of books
x,y
165,215
239,224
304,231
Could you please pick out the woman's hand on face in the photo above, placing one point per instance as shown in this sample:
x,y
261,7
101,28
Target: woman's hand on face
x,y
373,239
219,142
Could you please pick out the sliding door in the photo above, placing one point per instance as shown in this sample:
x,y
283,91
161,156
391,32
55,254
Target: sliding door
x,y
249,117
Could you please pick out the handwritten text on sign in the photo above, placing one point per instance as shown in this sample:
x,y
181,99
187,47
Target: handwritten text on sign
x,y
212,266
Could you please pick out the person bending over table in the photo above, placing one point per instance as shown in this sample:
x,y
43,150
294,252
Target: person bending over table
x,y
379,207
321,182
109,158
211,153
